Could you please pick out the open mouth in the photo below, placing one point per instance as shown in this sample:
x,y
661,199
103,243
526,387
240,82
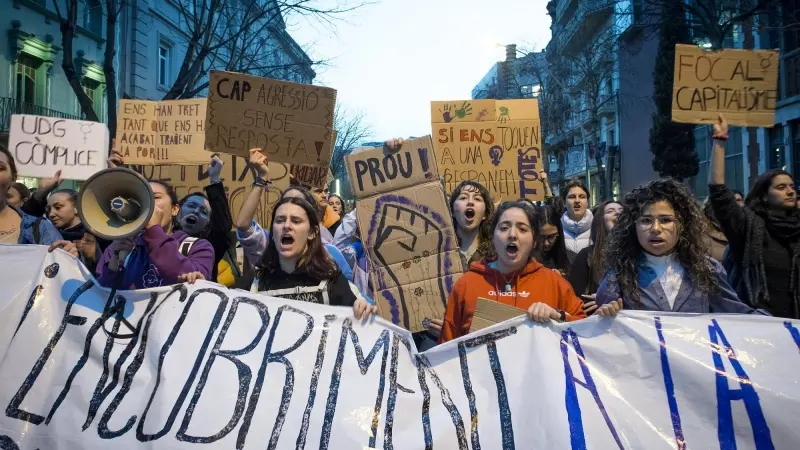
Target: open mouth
x,y
190,220
469,214
656,241
512,249
287,240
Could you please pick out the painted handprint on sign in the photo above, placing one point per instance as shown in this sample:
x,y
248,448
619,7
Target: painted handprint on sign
x,y
496,154
449,112
464,111
504,115
482,113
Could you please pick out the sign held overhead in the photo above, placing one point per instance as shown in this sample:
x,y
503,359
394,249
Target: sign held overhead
x,y
740,84
42,145
292,123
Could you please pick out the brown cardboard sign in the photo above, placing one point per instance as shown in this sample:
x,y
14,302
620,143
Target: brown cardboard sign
x,y
740,84
313,176
237,177
498,146
413,252
292,123
489,312
382,170
165,132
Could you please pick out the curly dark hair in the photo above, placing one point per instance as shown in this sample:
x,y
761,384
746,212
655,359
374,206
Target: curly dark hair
x,y
315,261
485,231
624,253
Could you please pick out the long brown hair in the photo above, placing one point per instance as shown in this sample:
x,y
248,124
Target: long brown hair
x,y
600,237
315,261
485,230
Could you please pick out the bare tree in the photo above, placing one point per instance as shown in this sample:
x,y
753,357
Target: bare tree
x,y
68,22
239,36
352,129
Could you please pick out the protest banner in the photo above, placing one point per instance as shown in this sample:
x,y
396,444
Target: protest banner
x,y
237,176
494,142
407,231
313,176
202,366
741,84
42,145
164,132
292,123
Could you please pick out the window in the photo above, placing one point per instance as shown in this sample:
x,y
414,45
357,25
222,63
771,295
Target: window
x,y
164,52
27,68
93,89
777,152
530,90
92,16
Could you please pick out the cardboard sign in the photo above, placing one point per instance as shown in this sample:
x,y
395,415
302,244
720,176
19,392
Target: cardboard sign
x,y
237,176
490,312
292,123
165,132
313,176
408,232
740,84
376,170
494,142
42,145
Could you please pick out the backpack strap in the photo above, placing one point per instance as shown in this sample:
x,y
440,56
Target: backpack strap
x,y
37,236
186,245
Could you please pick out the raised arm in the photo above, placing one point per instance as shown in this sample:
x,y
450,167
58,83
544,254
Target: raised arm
x,y
253,198
221,220
730,215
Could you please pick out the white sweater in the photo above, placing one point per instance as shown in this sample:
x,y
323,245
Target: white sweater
x,y
577,235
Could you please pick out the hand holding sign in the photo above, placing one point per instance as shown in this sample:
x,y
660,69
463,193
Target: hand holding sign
x,y
260,163
721,127
215,168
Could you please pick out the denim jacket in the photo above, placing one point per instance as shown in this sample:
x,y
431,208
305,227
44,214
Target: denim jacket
x,y
47,232
653,298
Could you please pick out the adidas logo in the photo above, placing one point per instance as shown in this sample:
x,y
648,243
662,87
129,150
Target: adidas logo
x,y
522,294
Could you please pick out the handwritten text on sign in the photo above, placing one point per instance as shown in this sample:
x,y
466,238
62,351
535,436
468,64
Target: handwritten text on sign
x,y
496,143
42,145
292,123
740,84
202,366
166,132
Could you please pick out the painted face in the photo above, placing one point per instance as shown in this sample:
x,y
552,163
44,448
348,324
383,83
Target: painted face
x,y
781,192
321,195
5,175
739,199
62,211
14,199
657,229
513,240
291,232
610,214
549,236
165,204
469,209
194,215
577,202
336,204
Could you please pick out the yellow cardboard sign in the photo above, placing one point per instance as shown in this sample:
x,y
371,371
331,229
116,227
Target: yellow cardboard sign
x,y
494,142
292,123
165,132
740,84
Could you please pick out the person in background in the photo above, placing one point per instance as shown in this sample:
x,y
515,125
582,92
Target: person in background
x,y
657,258
589,266
716,240
577,220
18,194
472,209
553,251
17,227
739,197
513,278
337,205
254,239
330,220
62,210
154,257
296,266
763,257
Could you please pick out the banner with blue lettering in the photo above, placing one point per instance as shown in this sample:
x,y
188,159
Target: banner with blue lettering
x,y
202,366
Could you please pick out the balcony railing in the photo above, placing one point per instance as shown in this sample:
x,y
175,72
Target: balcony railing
x,y
9,106
583,20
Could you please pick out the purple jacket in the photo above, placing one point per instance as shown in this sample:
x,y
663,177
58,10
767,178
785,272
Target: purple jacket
x,y
156,261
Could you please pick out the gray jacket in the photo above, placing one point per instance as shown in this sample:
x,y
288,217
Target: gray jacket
x,y
653,298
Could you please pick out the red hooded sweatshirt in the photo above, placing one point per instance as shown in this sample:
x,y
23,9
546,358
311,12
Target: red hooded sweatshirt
x,y
535,283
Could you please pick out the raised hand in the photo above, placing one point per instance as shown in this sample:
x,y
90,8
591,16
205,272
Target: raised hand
x,y
115,159
394,144
721,127
215,168
259,162
47,185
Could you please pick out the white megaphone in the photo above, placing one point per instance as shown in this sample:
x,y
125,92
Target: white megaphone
x,y
115,203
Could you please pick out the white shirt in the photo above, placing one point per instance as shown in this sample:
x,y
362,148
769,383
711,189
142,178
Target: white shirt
x,y
670,274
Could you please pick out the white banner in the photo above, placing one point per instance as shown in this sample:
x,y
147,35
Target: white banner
x,y
41,145
203,366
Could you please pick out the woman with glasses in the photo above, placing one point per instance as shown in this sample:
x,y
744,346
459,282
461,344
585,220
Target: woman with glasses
x,y
553,250
657,258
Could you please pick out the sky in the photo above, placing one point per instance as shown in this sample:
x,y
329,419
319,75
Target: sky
x,y
391,58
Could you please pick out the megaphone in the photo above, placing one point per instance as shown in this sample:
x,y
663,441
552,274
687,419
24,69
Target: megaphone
x,y
115,203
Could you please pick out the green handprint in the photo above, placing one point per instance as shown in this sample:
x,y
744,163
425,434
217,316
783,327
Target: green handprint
x,y
504,117
464,111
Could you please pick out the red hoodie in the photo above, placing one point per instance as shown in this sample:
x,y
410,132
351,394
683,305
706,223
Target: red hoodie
x,y
535,283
